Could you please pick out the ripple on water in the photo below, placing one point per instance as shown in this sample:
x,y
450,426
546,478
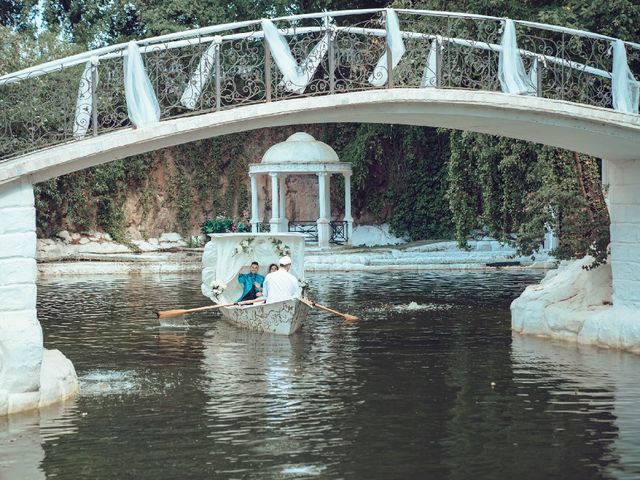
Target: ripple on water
x,y
411,307
108,382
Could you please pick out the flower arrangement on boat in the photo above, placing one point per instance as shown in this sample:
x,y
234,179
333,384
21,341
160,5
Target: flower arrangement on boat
x,y
217,288
281,248
244,247
304,286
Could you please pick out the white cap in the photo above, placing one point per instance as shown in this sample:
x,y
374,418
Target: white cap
x,y
285,260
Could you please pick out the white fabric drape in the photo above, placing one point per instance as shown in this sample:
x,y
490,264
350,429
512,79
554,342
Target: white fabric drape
x,y
84,103
380,75
201,75
624,87
296,77
142,104
511,73
429,79
222,263
533,77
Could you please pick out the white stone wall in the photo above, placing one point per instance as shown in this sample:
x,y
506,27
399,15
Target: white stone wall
x,y
624,208
20,332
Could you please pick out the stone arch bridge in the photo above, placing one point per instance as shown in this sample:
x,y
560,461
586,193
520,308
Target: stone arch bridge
x,y
542,83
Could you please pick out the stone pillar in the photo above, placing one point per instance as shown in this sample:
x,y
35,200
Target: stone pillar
x,y
323,221
624,209
255,216
21,347
275,208
284,221
347,206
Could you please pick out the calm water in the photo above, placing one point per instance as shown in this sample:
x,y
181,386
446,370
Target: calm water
x,y
436,389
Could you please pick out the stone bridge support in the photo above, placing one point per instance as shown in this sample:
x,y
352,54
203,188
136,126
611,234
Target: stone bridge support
x,y
623,178
598,306
30,376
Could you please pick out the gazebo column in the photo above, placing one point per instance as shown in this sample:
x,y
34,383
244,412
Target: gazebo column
x,y
255,218
347,207
324,233
275,207
284,221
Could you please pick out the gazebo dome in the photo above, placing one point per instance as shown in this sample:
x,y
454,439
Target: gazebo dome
x,y
300,148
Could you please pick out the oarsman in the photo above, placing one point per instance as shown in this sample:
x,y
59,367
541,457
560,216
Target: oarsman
x,y
281,285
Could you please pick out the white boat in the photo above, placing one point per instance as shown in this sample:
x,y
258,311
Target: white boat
x,y
230,254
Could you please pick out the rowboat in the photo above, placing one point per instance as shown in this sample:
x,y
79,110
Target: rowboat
x,y
230,254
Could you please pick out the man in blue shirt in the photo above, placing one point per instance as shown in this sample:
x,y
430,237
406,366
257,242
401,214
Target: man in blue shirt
x,y
251,283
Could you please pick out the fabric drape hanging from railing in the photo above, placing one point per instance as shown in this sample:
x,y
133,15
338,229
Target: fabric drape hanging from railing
x,y
380,75
511,72
142,104
430,73
201,75
84,103
295,77
625,89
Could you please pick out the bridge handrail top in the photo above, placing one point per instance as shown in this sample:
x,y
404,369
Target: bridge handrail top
x,y
187,34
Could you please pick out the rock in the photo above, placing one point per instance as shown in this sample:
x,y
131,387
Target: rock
x,y
84,241
170,237
107,237
64,235
372,235
75,236
58,379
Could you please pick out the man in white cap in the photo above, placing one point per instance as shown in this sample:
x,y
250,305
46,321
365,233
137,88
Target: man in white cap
x,y
281,285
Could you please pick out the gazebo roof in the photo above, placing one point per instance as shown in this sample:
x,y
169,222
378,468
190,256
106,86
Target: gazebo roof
x,y
300,148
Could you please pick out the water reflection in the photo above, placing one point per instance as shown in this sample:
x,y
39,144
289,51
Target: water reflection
x,y
22,438
430,383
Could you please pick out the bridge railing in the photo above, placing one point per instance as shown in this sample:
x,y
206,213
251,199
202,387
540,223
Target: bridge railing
x,y
40,106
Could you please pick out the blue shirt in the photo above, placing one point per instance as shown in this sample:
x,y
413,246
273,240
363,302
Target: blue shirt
x,y
247,280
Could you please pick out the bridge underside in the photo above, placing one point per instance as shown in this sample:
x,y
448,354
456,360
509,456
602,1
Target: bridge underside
x,y
591,130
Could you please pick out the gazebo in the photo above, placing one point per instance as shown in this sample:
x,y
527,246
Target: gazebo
x,y
301,154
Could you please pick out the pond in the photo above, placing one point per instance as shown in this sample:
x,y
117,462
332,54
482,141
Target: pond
x,y
430,383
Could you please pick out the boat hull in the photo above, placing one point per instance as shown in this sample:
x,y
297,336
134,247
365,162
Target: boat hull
x,y
282,318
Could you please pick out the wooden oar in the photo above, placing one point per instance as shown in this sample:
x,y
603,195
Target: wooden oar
x,y
177,313
346,316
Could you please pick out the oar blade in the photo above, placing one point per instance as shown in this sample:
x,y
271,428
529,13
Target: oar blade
x,y
170,314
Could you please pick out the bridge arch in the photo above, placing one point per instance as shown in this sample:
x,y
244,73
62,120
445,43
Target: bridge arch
x,y
591,130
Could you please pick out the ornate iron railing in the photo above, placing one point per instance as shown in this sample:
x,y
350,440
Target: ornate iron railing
x,y
308,228
38,104
264,227
339,232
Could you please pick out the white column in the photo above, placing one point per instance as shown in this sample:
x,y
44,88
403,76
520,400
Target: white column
x,y
284,222
347,206
323,221
624,209
30,376
275,208
254,203
21,346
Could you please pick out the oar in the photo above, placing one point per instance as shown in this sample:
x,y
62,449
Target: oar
x,y
346,316
177,313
